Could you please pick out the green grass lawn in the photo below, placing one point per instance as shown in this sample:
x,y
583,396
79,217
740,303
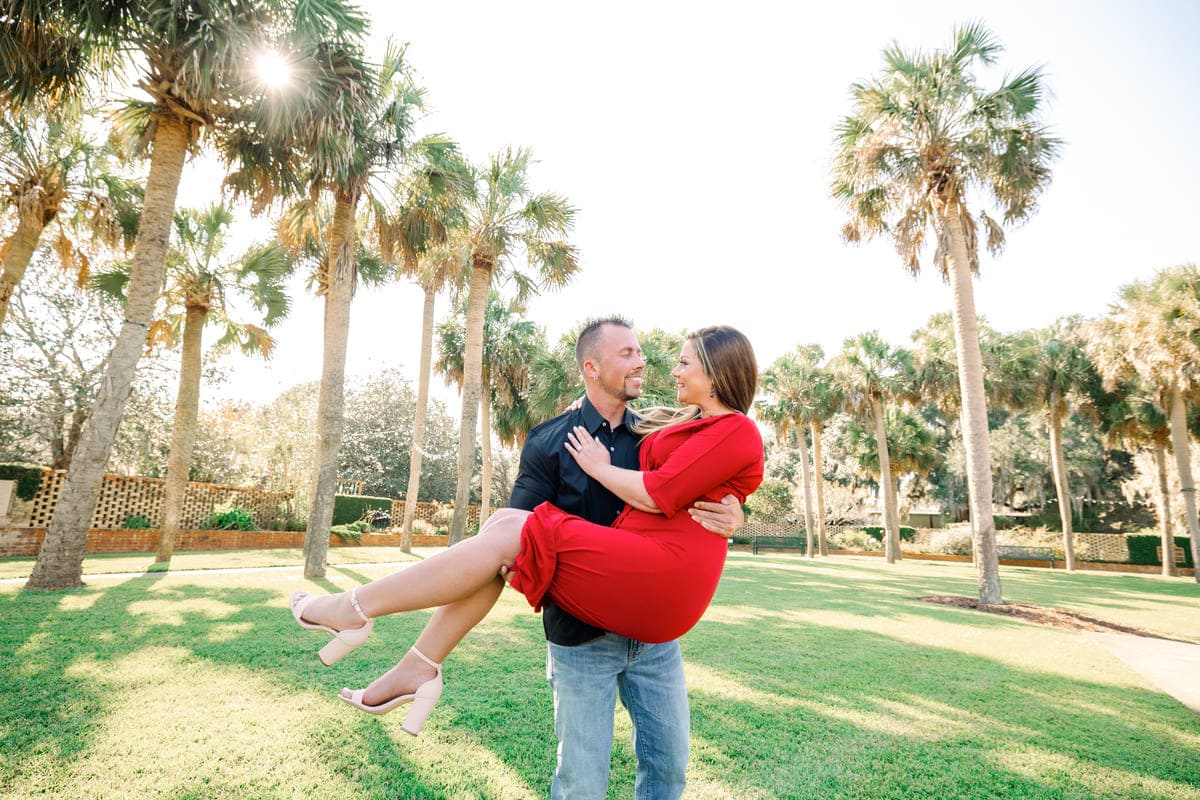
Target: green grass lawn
x,y
808,679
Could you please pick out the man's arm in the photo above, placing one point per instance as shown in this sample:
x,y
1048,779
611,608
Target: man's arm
x,y
724,518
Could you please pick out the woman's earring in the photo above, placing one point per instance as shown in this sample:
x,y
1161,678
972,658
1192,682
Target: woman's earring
x,y
712,392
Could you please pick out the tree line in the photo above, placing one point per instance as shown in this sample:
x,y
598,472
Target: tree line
x,y
356,195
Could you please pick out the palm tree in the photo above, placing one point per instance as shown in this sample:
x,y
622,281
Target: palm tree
x,y
868,371
201,276
504,219
1130,417
430,205
193,68
53,173
510,344
920,136
1153,332
1060,377
785,382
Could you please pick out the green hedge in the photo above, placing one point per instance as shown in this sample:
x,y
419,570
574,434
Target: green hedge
x,y
353,507
906,533
28,479
1143,549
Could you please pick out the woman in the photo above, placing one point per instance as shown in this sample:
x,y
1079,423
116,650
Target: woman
x,y
648,577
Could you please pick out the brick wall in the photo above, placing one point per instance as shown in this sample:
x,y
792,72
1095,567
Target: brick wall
x,y
25,542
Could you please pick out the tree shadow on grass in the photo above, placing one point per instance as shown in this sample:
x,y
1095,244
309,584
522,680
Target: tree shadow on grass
x,y
800,710
47,708
833,711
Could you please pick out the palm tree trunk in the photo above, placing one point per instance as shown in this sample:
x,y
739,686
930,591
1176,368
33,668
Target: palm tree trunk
x,y
1061,484
418,440
331,401
974,405
183,431
819,480
1183,463
806,477
887,487
481,282
1164,509
485,441
60,560
21,247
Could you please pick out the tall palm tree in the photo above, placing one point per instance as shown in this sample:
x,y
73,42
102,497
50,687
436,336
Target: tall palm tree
x,y
505,220
510,343
52,172
1130,417
920,136
193,70
344,148
1061,377
201,277
1153,332
869,372
429,207
784,382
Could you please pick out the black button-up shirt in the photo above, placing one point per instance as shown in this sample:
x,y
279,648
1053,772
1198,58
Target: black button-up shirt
x,y
549,473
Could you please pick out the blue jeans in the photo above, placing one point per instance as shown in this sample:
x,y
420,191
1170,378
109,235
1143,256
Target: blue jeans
x,y
586,680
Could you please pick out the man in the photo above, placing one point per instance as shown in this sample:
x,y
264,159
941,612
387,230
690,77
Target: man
x,y
588,667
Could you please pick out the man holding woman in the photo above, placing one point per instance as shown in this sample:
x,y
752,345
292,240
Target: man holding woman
x,y
598,583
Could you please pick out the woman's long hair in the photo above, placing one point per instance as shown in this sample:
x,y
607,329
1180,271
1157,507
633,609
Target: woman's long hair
x,y
728,361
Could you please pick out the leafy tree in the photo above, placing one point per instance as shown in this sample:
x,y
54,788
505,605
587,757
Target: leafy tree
x,y
380,416
52,359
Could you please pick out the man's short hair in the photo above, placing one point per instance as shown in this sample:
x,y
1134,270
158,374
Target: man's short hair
x,y
590,334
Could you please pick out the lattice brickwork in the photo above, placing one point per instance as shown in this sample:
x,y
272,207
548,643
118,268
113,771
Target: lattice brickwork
x,y
425,511
1099,547
124,496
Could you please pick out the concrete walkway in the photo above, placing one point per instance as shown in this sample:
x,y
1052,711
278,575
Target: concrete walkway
x,y
1173,667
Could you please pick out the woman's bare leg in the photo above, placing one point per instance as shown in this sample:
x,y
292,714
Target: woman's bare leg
x,y
445,629
456,574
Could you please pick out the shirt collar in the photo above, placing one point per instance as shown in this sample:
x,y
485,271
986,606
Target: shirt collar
x,y
592,418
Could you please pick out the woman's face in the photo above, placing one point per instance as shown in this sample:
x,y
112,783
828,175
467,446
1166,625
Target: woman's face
x,y
691,384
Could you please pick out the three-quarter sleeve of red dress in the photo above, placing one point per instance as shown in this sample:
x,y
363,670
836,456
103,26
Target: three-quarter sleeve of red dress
x,y
729,447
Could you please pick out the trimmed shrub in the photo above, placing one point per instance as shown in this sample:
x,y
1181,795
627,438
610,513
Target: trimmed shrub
x,y
347,533
1143,549
854,539
136,522
876,531
353,507
28,479
951,542
230,519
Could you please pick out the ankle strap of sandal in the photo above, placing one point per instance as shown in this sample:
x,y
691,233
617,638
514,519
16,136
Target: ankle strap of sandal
x,y
424,658
357,608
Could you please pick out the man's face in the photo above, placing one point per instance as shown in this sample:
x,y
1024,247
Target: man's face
x,y
616,366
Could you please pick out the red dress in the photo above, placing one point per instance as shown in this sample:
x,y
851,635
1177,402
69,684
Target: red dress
x,y
650,576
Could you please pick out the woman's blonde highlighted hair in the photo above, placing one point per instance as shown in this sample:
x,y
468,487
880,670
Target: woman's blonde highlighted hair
x,y
728,361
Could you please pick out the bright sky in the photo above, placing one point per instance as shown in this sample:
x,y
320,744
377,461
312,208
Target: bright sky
x,y
694,138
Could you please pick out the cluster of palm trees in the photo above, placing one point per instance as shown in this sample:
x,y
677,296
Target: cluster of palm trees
x,y
1123,375
361,197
